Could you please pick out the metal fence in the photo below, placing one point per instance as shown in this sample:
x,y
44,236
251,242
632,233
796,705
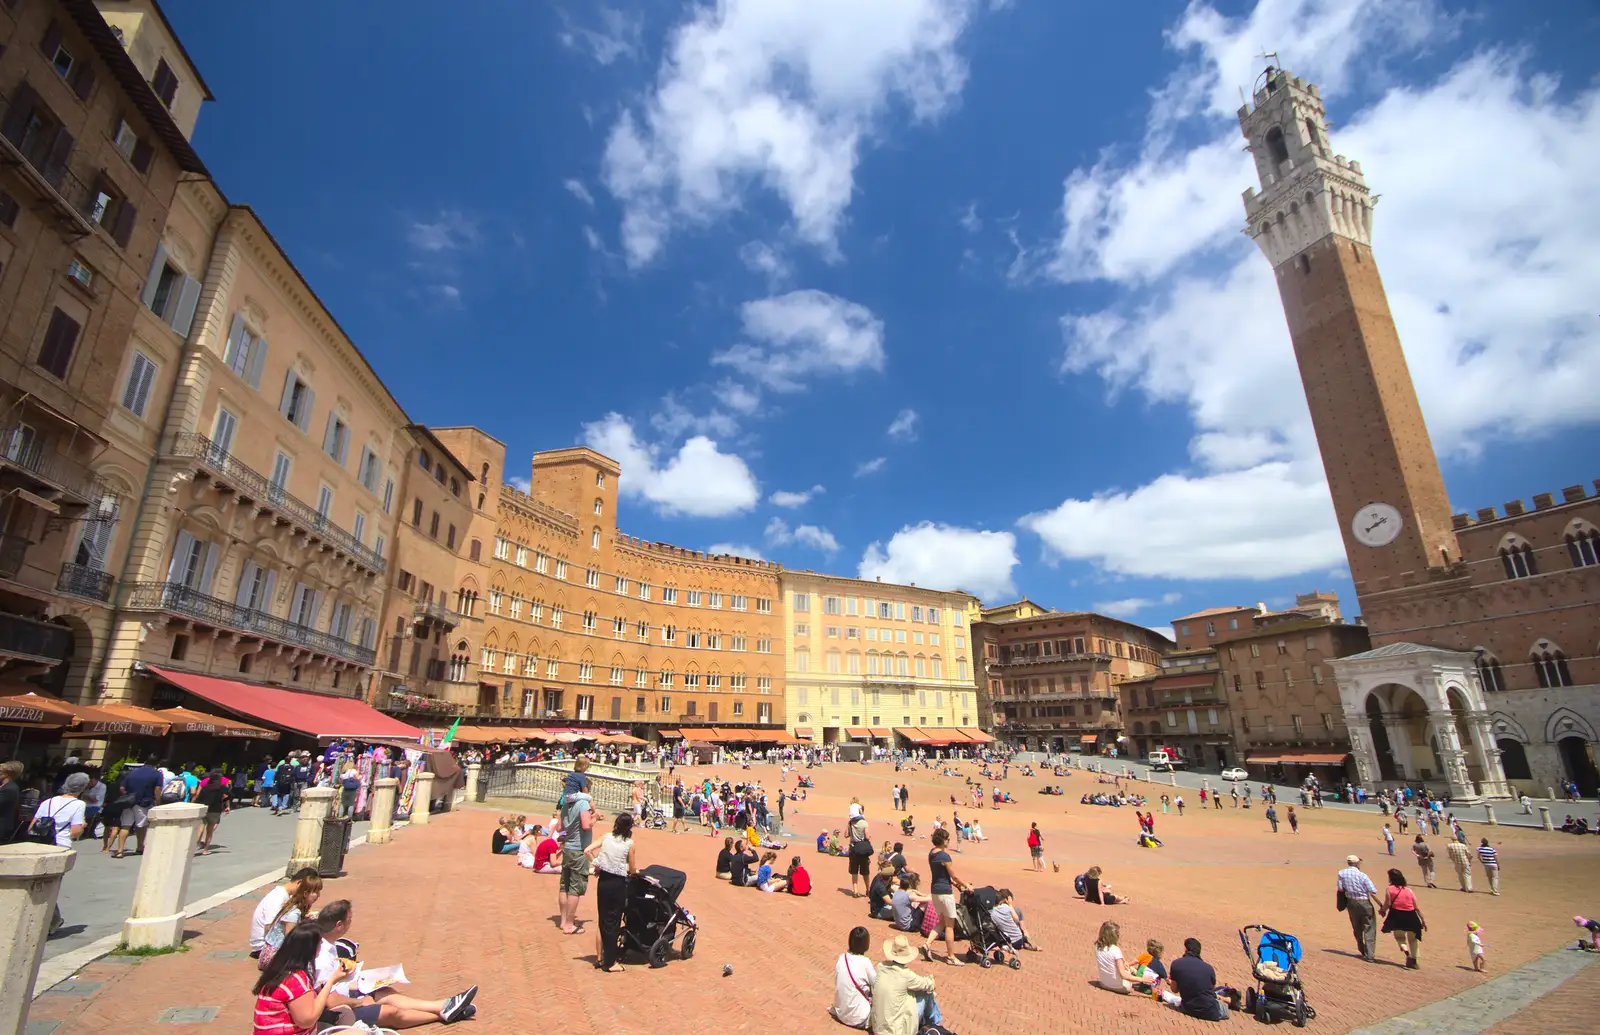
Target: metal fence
x,y
176,598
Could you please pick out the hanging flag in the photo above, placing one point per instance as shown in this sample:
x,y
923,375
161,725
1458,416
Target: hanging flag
x,y
450,734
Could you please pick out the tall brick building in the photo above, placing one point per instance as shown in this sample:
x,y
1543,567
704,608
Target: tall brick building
x,y
1485,665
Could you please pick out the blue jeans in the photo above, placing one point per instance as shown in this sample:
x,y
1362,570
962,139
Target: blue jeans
x,y
929,1010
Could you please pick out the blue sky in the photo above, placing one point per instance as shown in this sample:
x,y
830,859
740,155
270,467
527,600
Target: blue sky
x,y
972,267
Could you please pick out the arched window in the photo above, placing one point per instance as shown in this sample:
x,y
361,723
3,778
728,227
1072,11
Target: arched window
x,y
1138,729
1517,556
1550,665
1312,135
594,539
1583,545
1489,672
1276,147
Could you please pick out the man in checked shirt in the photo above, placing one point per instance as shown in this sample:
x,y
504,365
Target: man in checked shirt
x,y
1359,893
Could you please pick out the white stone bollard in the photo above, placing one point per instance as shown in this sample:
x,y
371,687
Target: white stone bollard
x,y
1488,816
156,919
30,880
422,799
381,832
1550,792
316,805
474,774
1174,778
1544,817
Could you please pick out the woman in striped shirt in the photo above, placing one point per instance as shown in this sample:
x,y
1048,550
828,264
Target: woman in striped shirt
x,y
286,1003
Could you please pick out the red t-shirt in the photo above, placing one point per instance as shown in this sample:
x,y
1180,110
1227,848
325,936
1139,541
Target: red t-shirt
x,y
272,1008
542,854
800,881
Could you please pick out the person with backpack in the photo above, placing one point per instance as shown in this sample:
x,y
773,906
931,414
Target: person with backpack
x,y
861,855
174,789
1036,847
282,786
59,820
143,785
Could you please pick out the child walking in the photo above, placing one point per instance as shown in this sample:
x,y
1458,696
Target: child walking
x,y
1294,821
1475,945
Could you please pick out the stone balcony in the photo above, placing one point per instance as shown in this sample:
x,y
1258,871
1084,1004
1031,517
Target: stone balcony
x,y
180,601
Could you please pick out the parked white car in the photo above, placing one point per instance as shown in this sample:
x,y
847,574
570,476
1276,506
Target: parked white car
x,y
1235,775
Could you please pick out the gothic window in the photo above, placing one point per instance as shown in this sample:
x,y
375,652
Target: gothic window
x,y
1550,665
1517,556
1277,147
1489,672
1312,135
1583,545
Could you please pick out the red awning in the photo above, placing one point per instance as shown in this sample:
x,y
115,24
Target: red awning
x,y
1303,757
803,731
669,734
977,735
316,715
878,733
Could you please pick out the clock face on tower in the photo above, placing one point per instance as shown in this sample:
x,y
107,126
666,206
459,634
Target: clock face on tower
x,y
1376,524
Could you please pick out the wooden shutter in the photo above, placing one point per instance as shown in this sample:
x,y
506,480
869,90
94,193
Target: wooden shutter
x,y
300,592
288,393
55,163
82,79
152,280
122,229
165,83
208,570
236,341
51,40
247,581
267,592
55,355
141,374
188,299
330,437
258,358
180,557
142,153
305,416
22,105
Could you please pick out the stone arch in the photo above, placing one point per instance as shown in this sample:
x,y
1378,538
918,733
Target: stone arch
x,y
1564,722
1506,727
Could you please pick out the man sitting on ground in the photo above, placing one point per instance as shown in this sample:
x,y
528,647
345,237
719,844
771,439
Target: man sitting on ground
x,y
1196,982
878,894
382,1006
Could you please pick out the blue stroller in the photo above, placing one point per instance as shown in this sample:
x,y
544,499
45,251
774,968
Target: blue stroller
x,y
1277,994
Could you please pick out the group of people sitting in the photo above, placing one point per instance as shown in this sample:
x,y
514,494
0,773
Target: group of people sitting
x,y
1048,789
1575,826
737,857
1189,985
307,962
535,847
1114,800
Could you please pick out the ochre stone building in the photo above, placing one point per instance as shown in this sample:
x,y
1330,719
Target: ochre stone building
x,y
1486,627
1054,677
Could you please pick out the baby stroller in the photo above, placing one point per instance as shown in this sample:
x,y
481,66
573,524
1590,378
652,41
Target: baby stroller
x,y
651,915
1277,994
654,818
986,945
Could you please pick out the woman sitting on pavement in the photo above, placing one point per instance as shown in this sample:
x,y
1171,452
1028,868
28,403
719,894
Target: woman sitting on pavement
x,y
1094,890
280,910
288,1001
1115,973
799,878
504,841
853,975
725,860
536,851
766,879
382,1006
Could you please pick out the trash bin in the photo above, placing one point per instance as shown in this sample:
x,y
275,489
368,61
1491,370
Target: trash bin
x,y
335,843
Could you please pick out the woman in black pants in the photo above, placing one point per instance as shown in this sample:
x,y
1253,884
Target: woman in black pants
x,y
614,861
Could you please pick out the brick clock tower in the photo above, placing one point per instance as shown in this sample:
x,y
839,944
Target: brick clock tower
x,y
1313,221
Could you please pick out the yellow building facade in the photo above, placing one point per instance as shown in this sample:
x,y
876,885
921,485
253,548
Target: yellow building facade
x,y
874,661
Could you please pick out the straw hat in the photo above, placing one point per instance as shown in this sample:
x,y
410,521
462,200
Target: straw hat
x,y
1352,860
899,950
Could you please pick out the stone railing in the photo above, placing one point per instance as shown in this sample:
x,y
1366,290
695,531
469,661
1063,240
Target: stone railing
x,y
610,786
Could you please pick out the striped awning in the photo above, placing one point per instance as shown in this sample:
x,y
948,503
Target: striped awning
x,y
1090,738
670,734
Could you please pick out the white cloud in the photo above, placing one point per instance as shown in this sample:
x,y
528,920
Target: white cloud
x,y
740,398
1265,522
592,238
1484,236
904,426
872,466
451,230
676,419
579,191
795,499
698,480
779,533
761,257
779,95
1129,606
804,333
735,550
520,484
619,35
945,557
969,219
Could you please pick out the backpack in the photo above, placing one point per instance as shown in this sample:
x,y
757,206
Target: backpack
x,y
1079,886
174,790
42,830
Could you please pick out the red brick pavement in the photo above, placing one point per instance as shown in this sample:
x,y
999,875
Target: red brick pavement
x,y
1568,1010
438,902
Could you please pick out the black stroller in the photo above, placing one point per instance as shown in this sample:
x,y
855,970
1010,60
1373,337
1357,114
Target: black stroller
x,y
986,944
1277,994
651,916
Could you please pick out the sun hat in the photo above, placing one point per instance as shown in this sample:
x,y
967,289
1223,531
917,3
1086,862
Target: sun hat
x,y
899,950
1352,860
